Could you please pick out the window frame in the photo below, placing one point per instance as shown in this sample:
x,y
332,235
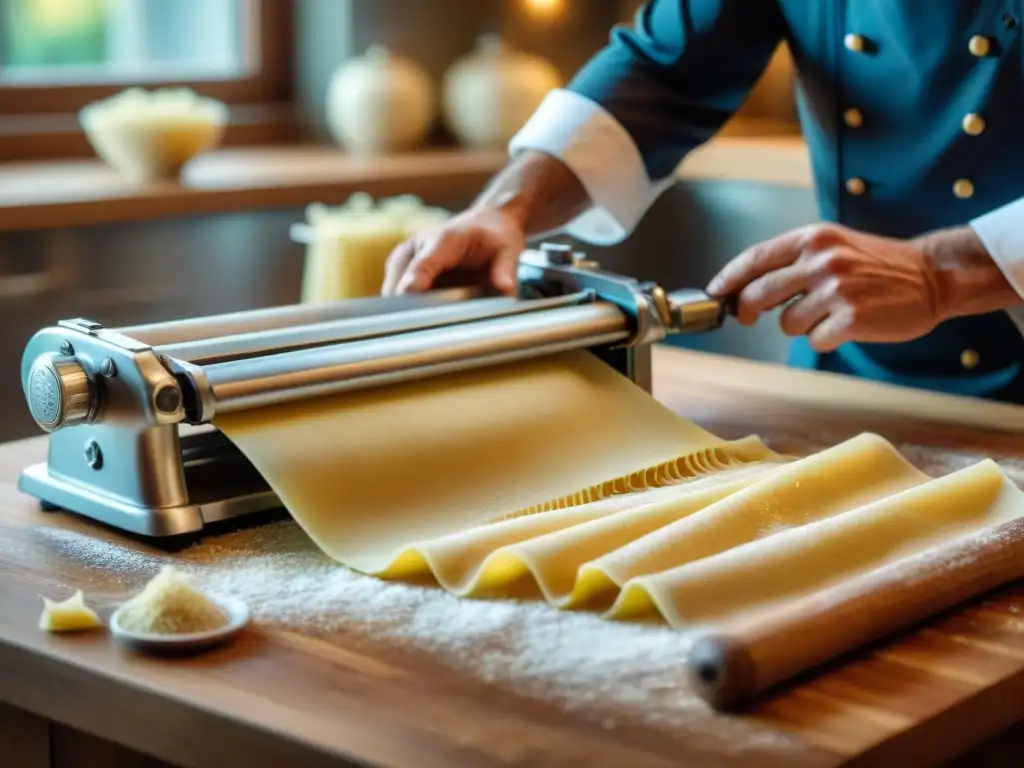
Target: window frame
x,y
268,25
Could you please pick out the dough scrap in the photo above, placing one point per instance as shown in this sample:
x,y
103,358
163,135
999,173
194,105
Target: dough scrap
x,y
70,615
170,605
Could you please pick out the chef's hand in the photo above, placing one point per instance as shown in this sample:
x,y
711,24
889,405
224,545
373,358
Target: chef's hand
x,y
844,286
481,244
535,194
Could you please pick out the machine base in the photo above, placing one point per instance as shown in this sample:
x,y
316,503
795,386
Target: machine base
x,y
56,493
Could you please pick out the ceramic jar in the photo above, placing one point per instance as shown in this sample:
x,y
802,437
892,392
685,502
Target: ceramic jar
x,y
379,103
489,94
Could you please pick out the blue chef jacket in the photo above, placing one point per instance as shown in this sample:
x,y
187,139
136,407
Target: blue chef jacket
x,y
913,111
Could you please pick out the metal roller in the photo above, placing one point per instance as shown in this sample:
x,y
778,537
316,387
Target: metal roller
x,y
259,381
255,321
219,349
121,404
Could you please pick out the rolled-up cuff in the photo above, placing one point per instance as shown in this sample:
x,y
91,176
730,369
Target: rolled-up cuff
x,y
602,155
1002,233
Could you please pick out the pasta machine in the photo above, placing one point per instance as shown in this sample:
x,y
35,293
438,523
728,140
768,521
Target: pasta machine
x,y
129,411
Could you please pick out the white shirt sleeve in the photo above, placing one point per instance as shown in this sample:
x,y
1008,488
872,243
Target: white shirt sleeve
x,y
602,155
1002,233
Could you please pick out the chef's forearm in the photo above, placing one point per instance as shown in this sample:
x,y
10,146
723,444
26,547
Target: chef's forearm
x,y
968,280
539,191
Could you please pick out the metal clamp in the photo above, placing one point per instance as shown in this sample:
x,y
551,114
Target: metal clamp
x,y
555,269
654,311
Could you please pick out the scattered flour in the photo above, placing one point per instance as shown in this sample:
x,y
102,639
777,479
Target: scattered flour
x,y
610,672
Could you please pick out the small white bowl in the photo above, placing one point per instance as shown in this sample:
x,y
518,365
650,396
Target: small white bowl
x,y
145,144
236,611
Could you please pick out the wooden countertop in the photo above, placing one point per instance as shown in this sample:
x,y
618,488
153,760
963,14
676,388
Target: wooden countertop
x,y
85,193
281,698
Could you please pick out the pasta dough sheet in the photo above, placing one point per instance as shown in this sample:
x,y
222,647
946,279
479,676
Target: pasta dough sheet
x,y
560,478
755,576
371,475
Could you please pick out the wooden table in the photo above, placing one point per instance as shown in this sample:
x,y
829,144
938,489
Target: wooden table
x,y
278,698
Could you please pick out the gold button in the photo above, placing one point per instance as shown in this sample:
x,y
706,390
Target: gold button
x,y
969,359
853,117
973,124
856,186
979,45
963,188
854,43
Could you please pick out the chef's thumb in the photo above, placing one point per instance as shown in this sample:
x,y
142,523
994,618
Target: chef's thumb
x,y
434,257
503,270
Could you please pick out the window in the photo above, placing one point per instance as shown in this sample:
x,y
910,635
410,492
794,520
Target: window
x,y
46,41
57,55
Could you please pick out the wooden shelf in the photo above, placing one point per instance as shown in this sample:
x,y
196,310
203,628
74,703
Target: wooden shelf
x,y
85,192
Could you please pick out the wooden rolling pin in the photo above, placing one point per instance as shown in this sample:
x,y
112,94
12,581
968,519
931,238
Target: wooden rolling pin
x,y
731,665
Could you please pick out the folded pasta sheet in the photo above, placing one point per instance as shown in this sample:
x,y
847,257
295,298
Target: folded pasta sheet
x,y
559,477
760,574
371,475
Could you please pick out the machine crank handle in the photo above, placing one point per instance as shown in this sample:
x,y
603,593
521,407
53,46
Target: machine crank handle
x,y
690,310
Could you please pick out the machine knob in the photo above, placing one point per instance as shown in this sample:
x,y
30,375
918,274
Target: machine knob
x,y
691,311
59,391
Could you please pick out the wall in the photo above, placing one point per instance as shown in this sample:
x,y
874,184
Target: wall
x,y
132,273
331,31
